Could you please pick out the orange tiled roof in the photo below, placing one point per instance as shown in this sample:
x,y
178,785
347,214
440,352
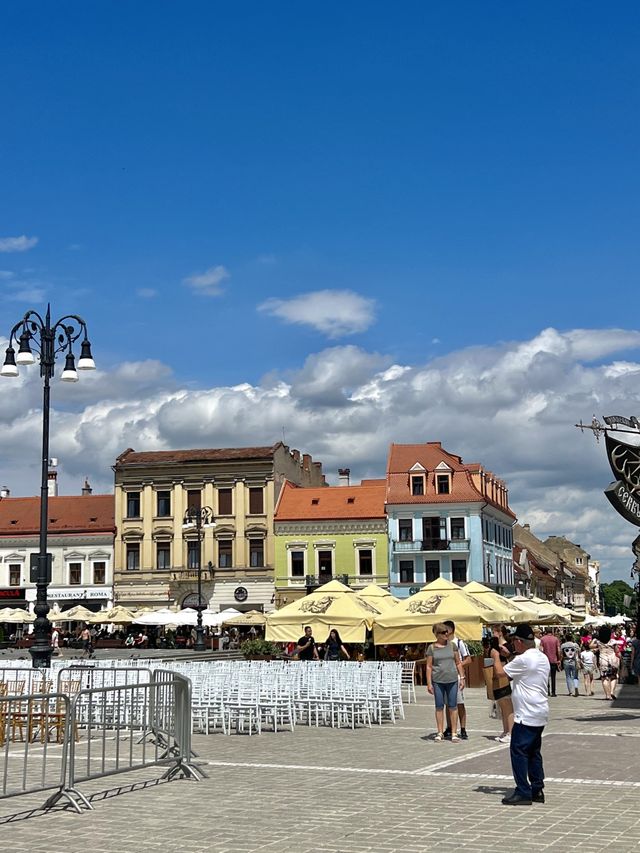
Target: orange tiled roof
x,y
403,457
331,502
168,457
67,514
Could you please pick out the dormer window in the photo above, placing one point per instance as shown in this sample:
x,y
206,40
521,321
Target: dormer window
x,y
351,500
417,484
315,501
443,484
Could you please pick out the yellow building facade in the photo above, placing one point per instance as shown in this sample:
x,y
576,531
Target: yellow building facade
x,y
156,556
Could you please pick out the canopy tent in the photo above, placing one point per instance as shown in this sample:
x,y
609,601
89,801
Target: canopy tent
x,y
251,617
163,616
75,614
412,620
16,616
188,617
378,596
332,605
513,613
547,613
116,616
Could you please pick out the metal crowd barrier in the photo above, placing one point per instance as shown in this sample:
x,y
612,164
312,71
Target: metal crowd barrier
x,y
100,730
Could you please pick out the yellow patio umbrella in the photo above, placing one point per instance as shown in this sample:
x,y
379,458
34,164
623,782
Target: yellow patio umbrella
x,y
412,620
16,616
251,617
547,612
332,605
117,615
378,596
75,614
513,613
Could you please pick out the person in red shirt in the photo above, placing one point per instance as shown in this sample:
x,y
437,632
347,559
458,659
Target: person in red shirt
x,y
550,646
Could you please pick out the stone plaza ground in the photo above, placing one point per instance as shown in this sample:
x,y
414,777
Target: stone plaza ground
x,y
385,789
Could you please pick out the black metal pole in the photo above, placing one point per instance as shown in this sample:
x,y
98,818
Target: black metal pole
x,y
41,649
199,644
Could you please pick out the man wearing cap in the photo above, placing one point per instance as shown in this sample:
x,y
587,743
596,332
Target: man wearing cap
x,y
529,676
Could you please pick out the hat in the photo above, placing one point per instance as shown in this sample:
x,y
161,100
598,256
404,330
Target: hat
x,y
523,632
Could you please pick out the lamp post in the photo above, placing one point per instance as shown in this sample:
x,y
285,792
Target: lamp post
x,y
47,339
199,518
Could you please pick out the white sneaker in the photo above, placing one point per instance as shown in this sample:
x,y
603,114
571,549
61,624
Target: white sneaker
x,y
504,739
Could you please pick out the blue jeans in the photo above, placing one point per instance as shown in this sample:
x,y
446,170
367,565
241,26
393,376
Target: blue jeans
x,y
571,674
526,759
446,694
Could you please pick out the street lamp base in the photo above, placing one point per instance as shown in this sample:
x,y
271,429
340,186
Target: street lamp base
x,y
40,656
199,645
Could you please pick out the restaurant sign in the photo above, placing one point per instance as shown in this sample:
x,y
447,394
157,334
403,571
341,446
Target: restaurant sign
x,y
624,501
62,593
624,493
14,592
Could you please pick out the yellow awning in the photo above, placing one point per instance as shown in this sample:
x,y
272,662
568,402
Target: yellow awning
x,y
513,613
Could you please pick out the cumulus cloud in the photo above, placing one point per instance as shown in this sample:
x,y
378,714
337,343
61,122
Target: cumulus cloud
x,y
335,313
17,244
510,407
146,292
208,283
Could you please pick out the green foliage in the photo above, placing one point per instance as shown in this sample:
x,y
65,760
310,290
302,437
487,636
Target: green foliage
x,y
258,647
613,595
475,647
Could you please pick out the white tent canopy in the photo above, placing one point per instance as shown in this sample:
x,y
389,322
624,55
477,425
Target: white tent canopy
x,y
188,616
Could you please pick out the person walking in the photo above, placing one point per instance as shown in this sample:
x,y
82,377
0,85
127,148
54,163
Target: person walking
x,y
465,659
502,692
550,646
306,648
444,676
588,666
570,659
529,676
334,648
608,662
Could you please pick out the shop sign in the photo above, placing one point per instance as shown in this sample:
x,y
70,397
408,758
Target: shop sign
x,y
64,593
240,593
14,592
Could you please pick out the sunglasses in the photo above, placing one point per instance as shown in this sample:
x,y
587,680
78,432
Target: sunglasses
x,y
445,633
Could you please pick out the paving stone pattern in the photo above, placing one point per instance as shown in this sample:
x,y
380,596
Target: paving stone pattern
x,y
391,788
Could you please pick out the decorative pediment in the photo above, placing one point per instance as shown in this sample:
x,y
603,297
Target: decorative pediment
x,y
443,468
15,558
75,555
417,468
99,555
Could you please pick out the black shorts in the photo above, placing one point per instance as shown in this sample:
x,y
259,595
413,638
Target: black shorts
x,y
502,692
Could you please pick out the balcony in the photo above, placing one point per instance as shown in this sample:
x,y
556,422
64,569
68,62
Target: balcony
x,y
415,546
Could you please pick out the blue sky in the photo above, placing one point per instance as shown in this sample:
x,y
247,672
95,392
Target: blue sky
x,y
283,192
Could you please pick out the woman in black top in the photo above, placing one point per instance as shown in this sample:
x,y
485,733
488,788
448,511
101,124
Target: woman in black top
x,y
333,646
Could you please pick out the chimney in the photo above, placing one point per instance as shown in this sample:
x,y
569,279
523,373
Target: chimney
x,y
52,478
306,461
4,492
86,489
296,456
344,476
526,527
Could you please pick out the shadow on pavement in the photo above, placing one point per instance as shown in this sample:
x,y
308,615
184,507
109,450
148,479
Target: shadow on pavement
x,y
494,790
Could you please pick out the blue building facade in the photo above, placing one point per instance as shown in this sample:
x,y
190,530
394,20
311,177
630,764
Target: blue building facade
x,y
446,519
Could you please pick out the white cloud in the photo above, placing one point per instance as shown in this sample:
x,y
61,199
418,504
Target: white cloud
x,y
5,275
146,292
511,407
208,282
24,291
336,313
17,244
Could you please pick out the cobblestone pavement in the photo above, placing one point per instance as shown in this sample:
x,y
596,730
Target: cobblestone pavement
x,y
391,788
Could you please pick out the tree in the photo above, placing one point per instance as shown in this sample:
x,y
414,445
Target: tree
x,y
613,595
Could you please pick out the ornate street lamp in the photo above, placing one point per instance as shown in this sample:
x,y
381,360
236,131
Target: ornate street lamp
x,y
47,339
199,518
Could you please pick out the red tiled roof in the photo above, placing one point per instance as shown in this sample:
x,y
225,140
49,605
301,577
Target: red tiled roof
x,y
331,502
403,457
168,457
67,514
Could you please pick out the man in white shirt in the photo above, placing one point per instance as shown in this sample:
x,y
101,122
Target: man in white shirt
x,y
529,676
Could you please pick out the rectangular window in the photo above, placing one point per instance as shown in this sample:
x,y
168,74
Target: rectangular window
x,y
405,529
325,564
442,484
225,503
194,499
417,485
256,553
163,508
75,574
256,501
365,561
459,571
163,555
133,504
457,528
99,573
133,557
432,570
193,554
406,571
297,564
225,553
14,574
